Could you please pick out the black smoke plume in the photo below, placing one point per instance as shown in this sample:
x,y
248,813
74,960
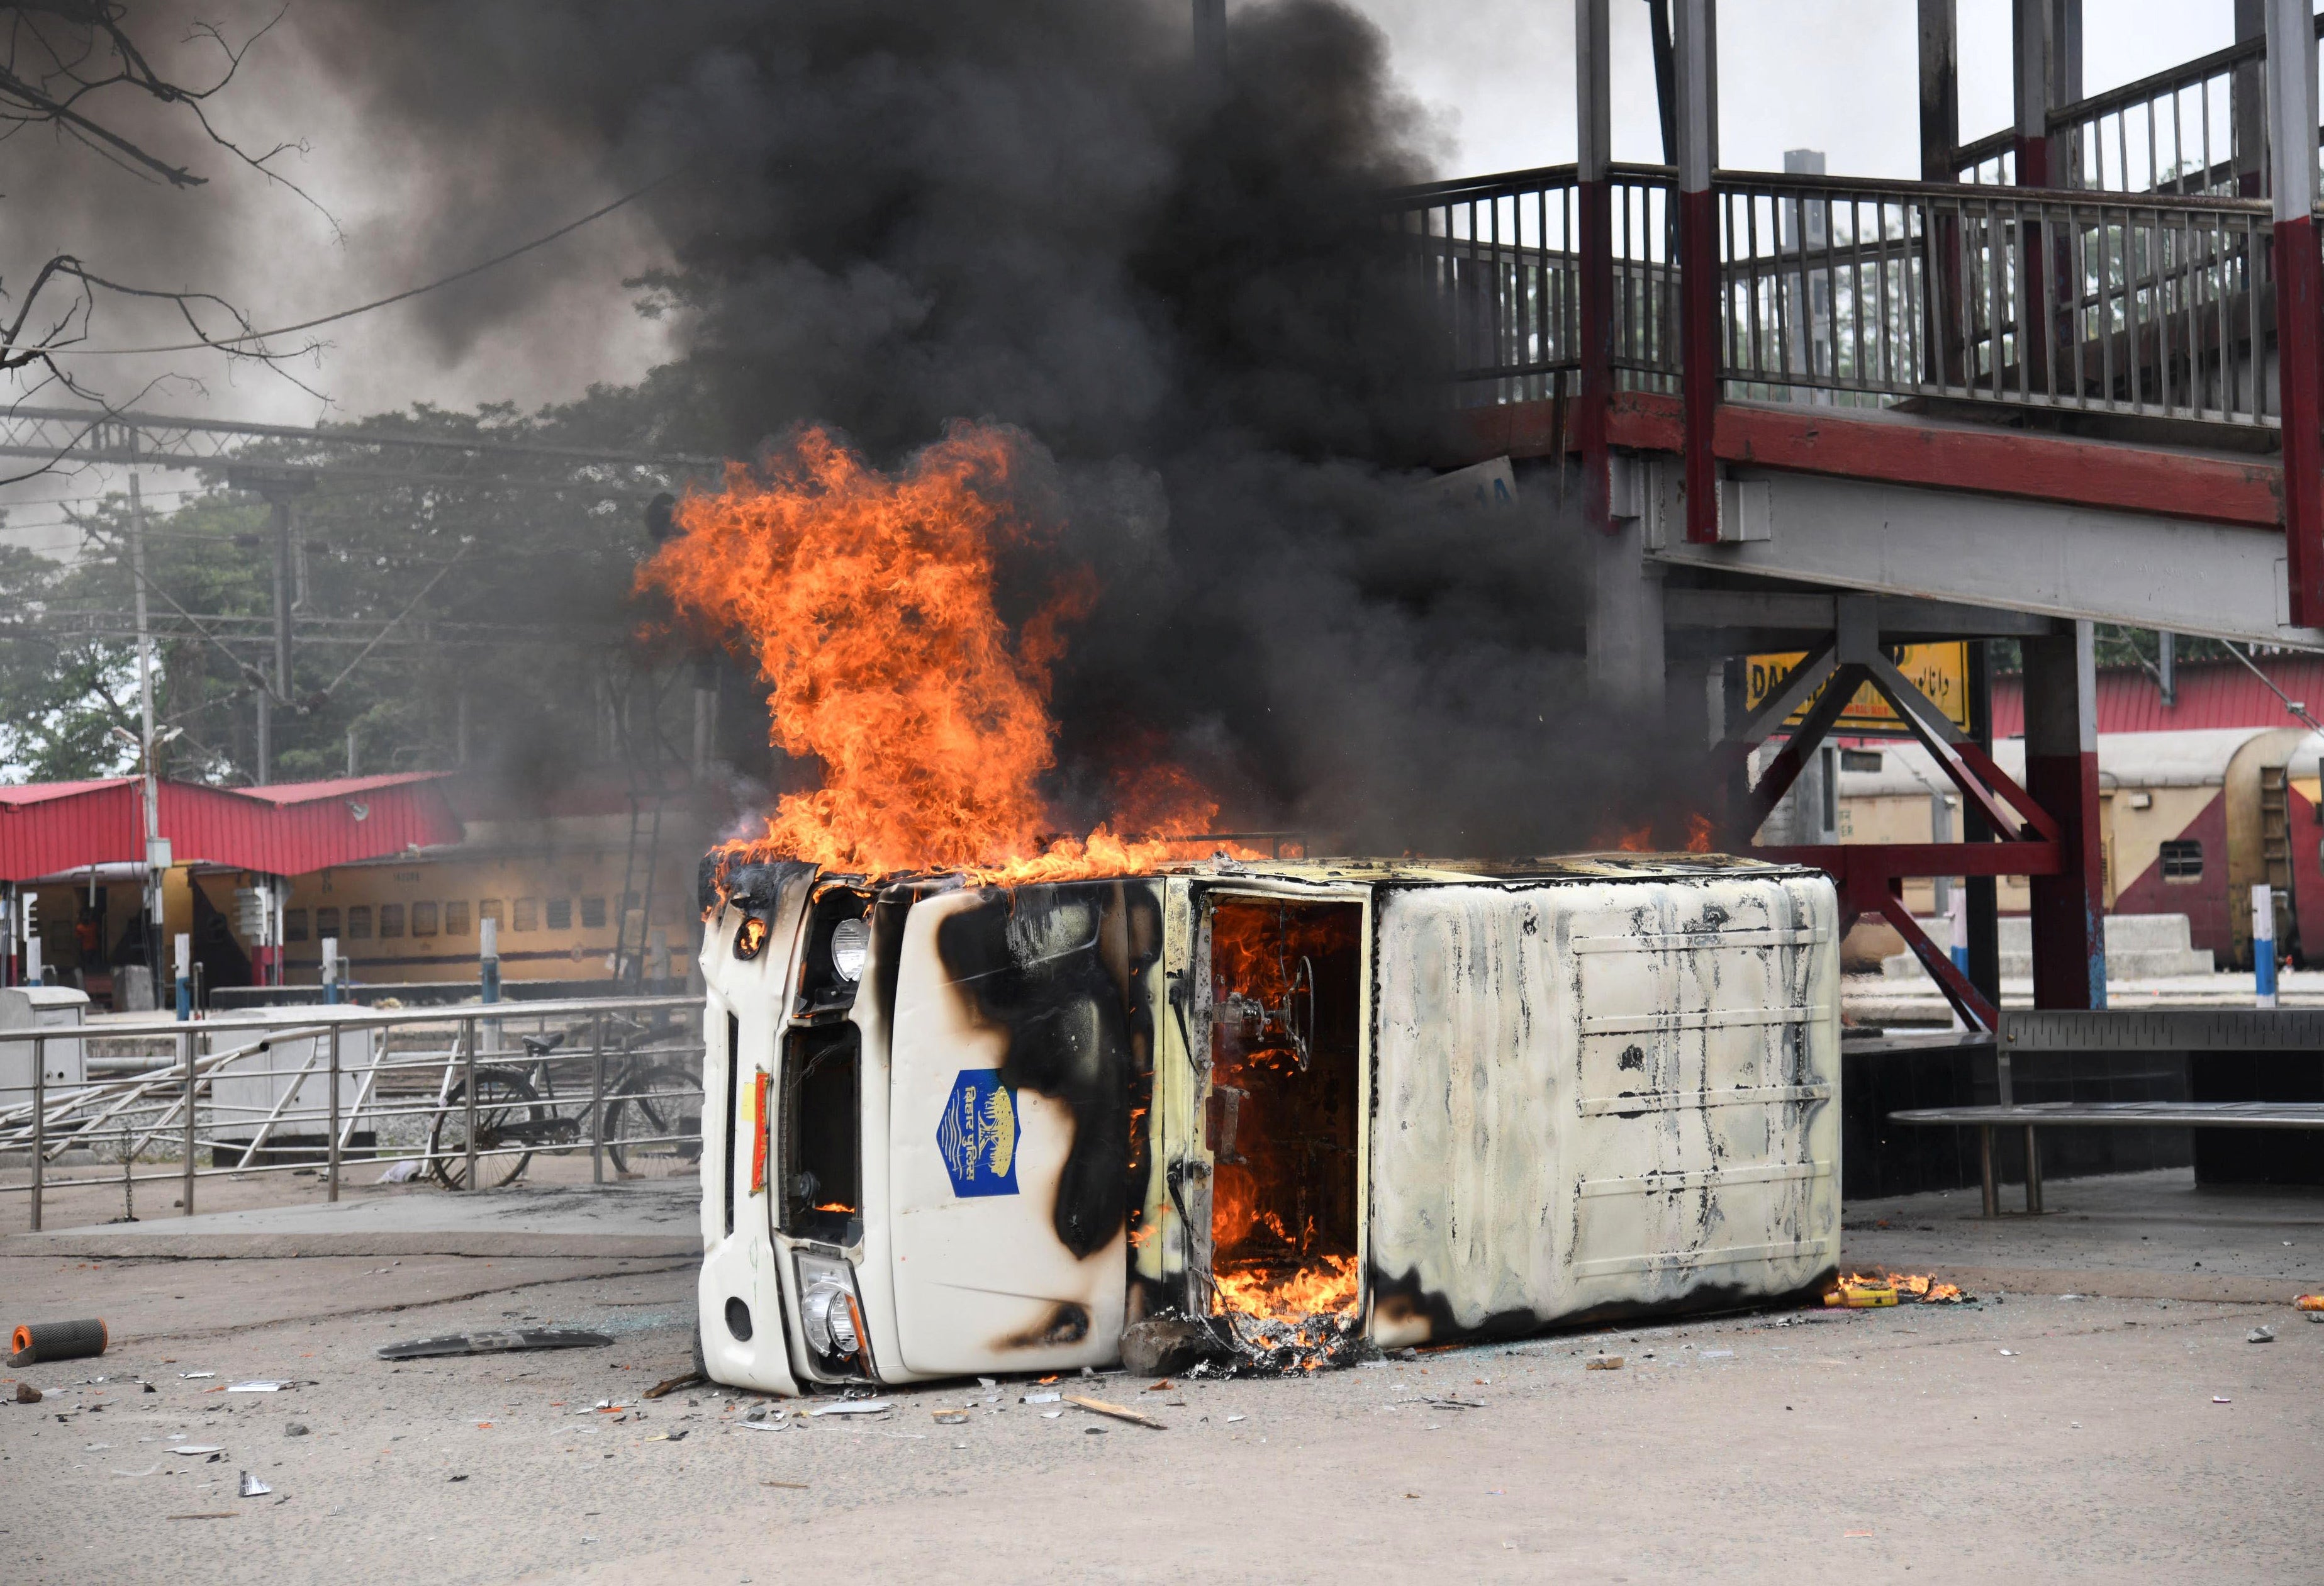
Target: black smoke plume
x,y
890,214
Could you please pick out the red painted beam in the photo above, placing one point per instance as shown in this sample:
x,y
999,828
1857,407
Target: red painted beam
x,y
2033,468
2300,318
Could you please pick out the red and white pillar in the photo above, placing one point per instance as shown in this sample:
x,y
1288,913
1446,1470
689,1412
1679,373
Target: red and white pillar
x,y
1698,261
2299,299
2062,773
1594,252
2031,42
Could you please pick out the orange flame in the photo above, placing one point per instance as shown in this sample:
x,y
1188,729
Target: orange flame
x,y
869,602
1698,834
1327,1288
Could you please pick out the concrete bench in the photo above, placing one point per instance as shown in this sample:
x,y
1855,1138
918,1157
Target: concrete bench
x,y
2033,1115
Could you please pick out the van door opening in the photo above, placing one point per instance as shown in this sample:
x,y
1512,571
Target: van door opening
x,y
1282,1118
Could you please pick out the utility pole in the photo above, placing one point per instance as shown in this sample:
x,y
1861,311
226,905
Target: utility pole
x,y
157,847
280,487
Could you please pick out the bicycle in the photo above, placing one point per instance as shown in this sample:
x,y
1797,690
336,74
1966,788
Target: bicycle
x,y
647,1135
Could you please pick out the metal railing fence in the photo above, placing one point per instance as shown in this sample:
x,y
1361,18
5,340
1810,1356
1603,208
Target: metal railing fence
x,y
1847,290
1499,256
462,1093
2197,128
1867,290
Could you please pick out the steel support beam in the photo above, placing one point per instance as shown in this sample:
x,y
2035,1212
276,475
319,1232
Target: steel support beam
x,y
2220,580
2029,45
2298,300
2062,773
1939,90
1594,202
1697,251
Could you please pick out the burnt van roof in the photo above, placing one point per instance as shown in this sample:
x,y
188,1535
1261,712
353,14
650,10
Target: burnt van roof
x,y
1564,867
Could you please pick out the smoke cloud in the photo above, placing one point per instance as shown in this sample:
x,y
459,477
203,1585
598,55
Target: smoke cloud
x,y
884,215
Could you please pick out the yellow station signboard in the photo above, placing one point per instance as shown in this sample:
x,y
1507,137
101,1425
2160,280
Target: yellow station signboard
x,y
1941,671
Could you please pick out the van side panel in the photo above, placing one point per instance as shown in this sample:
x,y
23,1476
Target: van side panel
x,y
1601,1098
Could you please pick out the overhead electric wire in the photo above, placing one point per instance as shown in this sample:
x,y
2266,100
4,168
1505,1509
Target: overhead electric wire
x,y
228,343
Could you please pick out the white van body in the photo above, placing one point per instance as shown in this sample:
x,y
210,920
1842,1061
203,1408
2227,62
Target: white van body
x,y
1500,1098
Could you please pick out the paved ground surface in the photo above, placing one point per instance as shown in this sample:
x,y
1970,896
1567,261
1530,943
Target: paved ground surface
x,y
2028,1436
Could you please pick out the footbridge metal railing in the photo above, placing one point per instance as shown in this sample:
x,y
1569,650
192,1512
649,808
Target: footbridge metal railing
x,y
1865,293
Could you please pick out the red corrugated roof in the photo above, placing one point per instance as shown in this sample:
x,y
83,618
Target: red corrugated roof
x,y
290,828
2211,693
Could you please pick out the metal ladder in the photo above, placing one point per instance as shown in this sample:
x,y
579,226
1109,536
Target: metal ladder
x,y
2275,852
629,957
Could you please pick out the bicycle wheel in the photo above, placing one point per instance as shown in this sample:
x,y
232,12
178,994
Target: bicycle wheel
x,y
503,1097
653,1124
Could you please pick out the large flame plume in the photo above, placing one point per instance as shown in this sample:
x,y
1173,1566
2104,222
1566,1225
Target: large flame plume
x,y
869,600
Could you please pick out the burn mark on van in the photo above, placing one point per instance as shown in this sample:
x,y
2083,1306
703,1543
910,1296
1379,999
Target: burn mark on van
x,y
1034,962
1065,1323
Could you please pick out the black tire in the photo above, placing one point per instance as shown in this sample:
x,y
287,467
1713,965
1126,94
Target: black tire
x,y
503,1096
650,1106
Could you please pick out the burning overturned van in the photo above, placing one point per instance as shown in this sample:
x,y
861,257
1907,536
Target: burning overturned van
x,y
1274,1112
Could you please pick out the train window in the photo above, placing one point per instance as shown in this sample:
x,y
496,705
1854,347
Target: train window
x,y
490,909
592,913
527,915
359,923
560,914
391,920
423,919
326,922
2182,860
456,918
294,925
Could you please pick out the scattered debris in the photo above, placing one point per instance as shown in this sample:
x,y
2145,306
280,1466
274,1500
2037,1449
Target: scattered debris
x,y
148,1470
1716,1355
196,1376
1051,1415
1094,1431
950,1418
1165,1386
1232,1418
1602,1363
670,1385
1040,1398
26,1394
2260,1335
767,1426
1866,1290
2009,1351
33,1342
252,1487
2308,1302
296,1429
463,1476
855,1407
1158,1343
1118,1412
261,1387
198,1448
500,1340
677,1436
2217,1399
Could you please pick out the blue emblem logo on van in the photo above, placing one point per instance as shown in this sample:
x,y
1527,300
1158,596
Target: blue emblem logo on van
x,y
978,1134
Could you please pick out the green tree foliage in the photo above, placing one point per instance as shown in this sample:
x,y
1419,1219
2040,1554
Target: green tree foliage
x,y
427,588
